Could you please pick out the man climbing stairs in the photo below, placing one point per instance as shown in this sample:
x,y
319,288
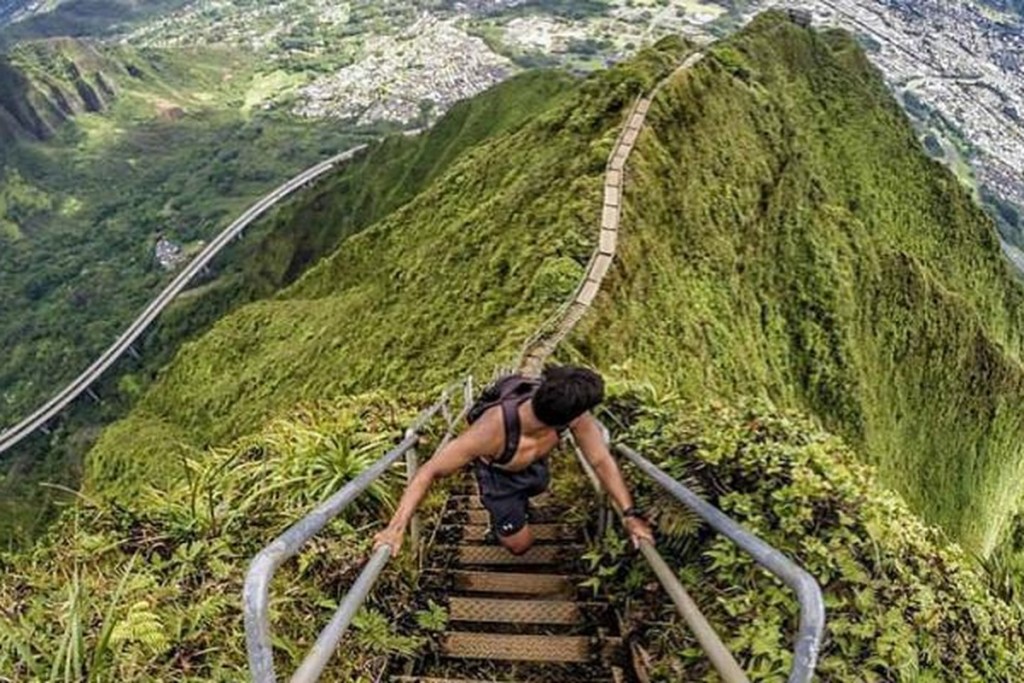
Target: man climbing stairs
x,y
514,617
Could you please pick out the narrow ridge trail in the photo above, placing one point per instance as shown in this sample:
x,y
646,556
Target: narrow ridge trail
x,y
522,618
551,332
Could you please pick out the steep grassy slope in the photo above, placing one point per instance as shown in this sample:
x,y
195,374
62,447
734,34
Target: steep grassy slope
x,y
454,280
785,238
388,175
781,247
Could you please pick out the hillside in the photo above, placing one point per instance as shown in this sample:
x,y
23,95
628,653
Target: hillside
x,y
43,85
177,134
808,317
775,254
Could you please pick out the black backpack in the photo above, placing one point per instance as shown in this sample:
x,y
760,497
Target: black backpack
x,y
509,392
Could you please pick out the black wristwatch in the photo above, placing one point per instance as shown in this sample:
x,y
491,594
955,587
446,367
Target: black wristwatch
x,y
634,512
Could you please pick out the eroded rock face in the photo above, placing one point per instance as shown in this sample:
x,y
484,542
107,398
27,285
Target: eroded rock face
x,y
69,78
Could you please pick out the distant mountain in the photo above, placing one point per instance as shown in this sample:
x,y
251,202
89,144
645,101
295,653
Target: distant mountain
x,y
51,81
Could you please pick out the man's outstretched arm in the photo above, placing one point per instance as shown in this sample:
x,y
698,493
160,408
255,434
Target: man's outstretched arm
x,y
453,457
589,438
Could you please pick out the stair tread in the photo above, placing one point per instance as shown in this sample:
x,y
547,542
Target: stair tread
x,y
511,582
473,501
514,611
519,648
537,515
497,555
541,532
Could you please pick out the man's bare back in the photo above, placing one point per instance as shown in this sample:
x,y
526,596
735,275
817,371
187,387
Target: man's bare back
x,y
564,398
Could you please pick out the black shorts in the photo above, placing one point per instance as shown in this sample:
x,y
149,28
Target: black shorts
x,y
506,494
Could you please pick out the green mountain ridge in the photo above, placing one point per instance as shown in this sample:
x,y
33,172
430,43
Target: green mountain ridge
x,y
806,314
796,269
76,78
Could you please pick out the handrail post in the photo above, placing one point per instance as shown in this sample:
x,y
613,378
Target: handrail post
x,y
721,658
411,465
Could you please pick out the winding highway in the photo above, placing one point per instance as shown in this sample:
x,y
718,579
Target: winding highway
x,y
11,436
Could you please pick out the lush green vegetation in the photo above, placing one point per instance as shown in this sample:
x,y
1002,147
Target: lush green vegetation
x,y
273,254
170,130
80,264
792,263
902,604
146,587
526,244
789,240
473,252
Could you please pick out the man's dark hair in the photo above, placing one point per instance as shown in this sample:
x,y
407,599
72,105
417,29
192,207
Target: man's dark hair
x,y
565,393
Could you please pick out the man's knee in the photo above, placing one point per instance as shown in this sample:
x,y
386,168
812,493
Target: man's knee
x,y
519,542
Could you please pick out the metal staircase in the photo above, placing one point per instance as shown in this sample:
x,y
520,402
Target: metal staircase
x,y
522,615
517,612
509,615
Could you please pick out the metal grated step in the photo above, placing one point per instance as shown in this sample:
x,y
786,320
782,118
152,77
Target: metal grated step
x,y
538,554
428,679
527,584
473,502
537,515
541,532
516,648
514,611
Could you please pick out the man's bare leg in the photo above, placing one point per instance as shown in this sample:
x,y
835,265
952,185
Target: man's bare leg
x,y
519,542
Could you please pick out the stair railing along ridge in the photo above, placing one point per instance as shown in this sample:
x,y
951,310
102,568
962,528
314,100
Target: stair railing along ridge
x,y
261,570
543,342
256,592
540,345
811,627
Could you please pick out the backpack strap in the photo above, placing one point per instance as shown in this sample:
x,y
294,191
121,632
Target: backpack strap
x,y
513,427
509,393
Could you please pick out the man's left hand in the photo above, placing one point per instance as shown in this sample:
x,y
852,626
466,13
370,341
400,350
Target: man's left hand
x,y
639,530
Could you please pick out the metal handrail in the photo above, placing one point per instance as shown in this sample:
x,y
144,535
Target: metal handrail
x,y
719,655
812,605
256,592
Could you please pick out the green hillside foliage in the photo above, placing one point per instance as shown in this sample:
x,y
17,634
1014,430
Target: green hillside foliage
x,y
453,280
785,238
797,285
185,162
149,590
77,258
902,603
365,190
275,252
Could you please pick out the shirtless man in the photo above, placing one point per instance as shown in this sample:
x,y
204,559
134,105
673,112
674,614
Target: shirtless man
x,y
509,442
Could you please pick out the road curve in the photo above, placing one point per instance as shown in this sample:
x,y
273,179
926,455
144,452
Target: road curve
x,y
10,437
